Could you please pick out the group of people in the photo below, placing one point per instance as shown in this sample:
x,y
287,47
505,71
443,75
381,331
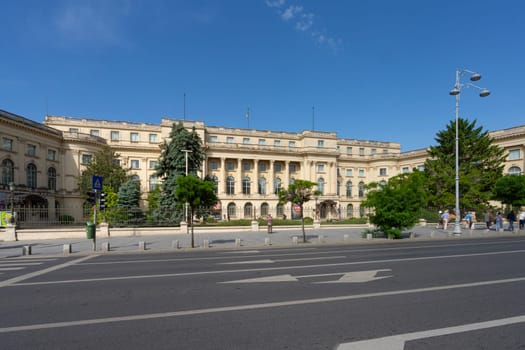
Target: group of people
x,y
470,220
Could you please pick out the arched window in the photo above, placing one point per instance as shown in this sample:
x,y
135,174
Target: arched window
x,y
246,185
232,211
135,178
361,189
320,185
31,176
276,185
362,211
215,180
350,211
8,172
52,179
349,189
230,185
515,170
153,182
265,209
280,210
262,185
248,210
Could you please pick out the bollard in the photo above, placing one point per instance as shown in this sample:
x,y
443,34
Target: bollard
x,y
142,245
26,250
346,237
175,244
66,249
237,242
368,236
105,247
295,239
320,238
267,241
206,243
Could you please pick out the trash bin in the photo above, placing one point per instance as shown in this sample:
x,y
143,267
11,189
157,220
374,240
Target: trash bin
x,y
90,230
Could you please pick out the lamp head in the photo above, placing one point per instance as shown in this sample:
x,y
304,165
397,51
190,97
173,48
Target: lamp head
x,y
11,186
454,92
484,93
475,77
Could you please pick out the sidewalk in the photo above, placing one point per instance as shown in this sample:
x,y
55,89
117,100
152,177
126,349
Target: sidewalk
x,y
281,237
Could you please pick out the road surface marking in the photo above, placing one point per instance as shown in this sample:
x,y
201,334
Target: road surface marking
x,y
14,280
270,261
397,342
11,268
347,277
244,252
279,268
142,317
20,263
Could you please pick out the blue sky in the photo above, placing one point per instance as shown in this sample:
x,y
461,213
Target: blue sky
x,y
373,70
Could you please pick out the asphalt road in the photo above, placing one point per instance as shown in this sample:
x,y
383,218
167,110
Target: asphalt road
x,y
439,294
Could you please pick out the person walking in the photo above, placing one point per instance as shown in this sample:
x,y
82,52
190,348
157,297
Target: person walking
x,y
499,222
522,219
511,217
486,218
445,217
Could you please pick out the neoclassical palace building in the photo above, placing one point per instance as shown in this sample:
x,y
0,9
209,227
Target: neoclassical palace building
x,y
43,162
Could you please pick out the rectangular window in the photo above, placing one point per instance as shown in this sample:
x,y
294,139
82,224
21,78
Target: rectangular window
x,y
361,172
361,151
373,151
262,166
51,154
320,143
277,167
382,171
230,165
262,142
94,132
229,139
348,150
135,164
320,168
214,165
152,138
385,151
349,172
246,166
116,162
406,169
213,139
421,167
7,144
86,158
153,164
73,130
291,144
31,150
514,154
115,135
134,137
246,141
277,143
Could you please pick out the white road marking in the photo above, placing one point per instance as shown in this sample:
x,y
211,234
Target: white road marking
x,y
244,252
14,280
20,264
296,267
397,342
11,268
347,277
251,307
270,261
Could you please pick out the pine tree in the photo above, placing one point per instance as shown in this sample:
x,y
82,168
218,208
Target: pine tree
x,y
480,166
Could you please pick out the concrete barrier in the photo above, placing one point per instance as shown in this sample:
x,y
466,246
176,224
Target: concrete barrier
x,y
267,241
175,244
66,249
237,242
142,245
26,250
106,247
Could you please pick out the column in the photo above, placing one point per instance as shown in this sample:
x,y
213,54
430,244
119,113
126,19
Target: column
x,y
222,177
286,180
238,177
256,175
272,176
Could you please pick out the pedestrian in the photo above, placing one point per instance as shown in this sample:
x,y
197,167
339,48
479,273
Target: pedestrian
x,y
499,221
445,216
440,221
522,219
511,217
468,220
487,219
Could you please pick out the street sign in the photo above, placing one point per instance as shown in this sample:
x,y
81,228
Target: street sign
x,y
97,183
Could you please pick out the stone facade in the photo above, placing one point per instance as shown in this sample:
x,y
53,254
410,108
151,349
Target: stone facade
x,y
248,165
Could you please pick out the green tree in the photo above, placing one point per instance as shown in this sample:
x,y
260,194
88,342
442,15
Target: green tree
x,y
299,192
480,166
104,164
397,204
197,193
510,189
129,202
172,164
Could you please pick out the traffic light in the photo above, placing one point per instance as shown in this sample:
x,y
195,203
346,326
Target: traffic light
x,y
91,197
102,202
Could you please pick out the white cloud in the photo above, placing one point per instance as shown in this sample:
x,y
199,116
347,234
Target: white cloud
x,y
303,21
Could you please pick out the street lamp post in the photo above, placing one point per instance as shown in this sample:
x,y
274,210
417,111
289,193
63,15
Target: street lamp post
x,y
186,151
12,193
456,92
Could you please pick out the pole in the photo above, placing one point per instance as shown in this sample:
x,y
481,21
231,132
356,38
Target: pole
x,y
457,225
95,223
186,151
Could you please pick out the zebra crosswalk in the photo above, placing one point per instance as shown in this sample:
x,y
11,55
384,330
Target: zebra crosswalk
x,y
20,263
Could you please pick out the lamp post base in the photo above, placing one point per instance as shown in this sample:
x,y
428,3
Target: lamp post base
x,y
457,229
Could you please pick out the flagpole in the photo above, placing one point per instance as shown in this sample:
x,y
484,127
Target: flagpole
x,y
248,117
